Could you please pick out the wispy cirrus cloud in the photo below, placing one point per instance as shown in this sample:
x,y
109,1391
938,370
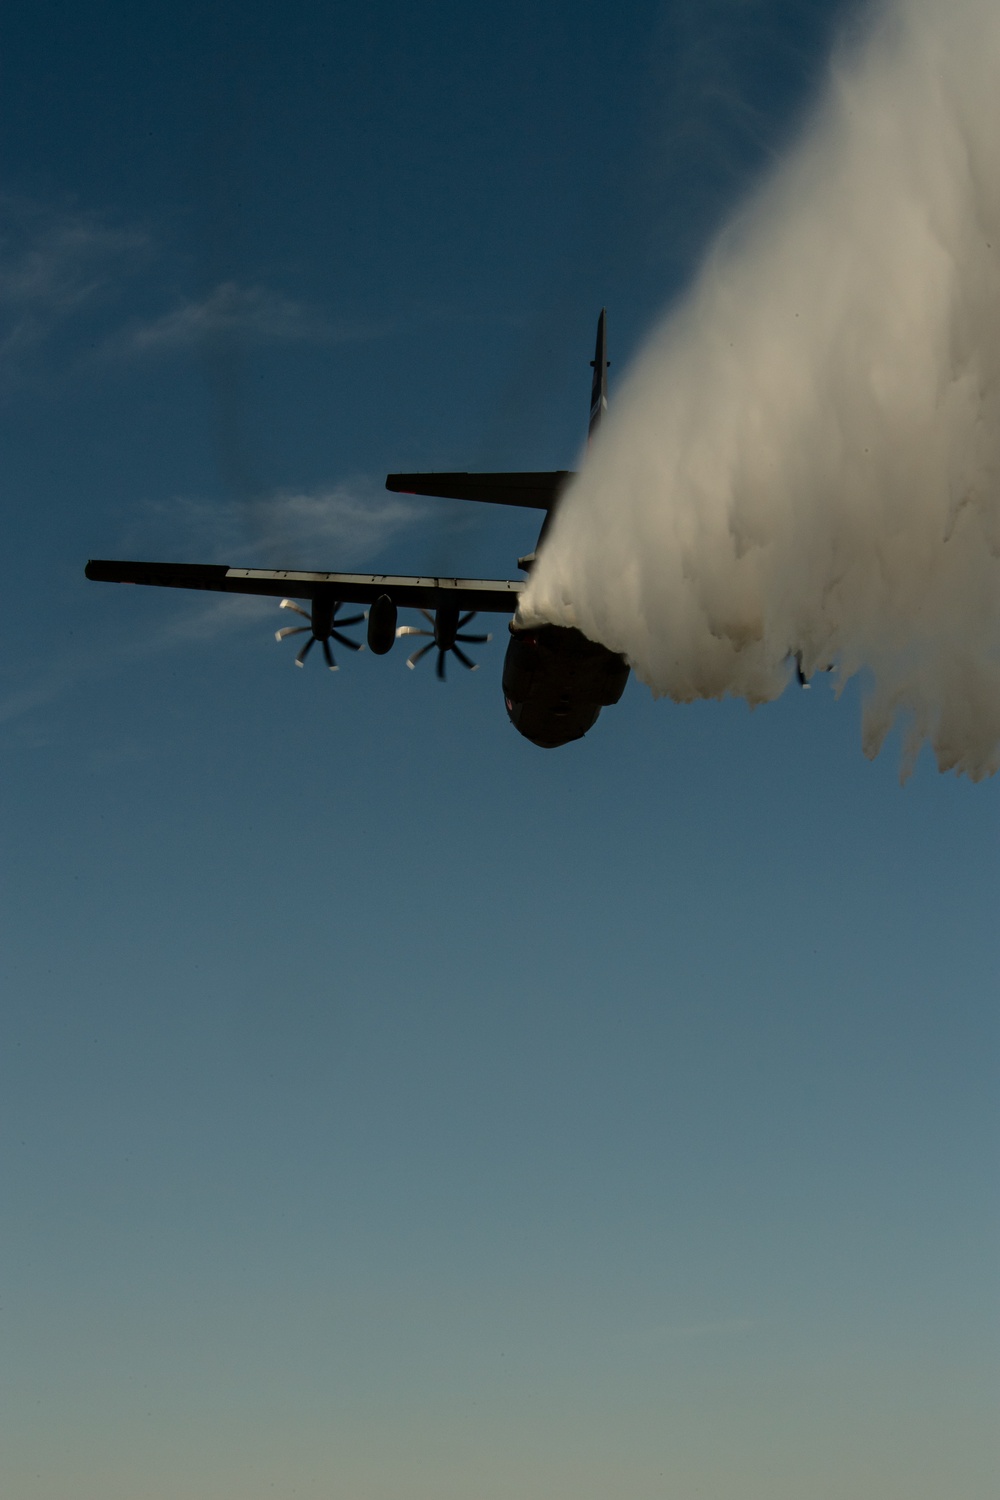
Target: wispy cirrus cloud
x,y
53,262
256,314
340,526
337,525
57,265
67,276
197,622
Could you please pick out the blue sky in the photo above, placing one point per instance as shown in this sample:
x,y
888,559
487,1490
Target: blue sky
x,y
391,1110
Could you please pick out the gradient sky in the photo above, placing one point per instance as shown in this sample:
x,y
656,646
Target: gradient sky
x,y
391,1110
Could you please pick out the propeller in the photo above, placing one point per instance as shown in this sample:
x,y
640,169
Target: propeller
x,y
323,624
445,633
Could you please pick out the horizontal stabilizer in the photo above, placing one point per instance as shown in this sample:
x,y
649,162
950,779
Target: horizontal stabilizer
x,y
533,490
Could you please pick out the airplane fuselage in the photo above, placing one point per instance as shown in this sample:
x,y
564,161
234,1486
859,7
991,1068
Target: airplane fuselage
x,y
556,681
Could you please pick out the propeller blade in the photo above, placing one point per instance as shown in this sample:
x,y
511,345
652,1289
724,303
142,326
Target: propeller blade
x,y
412,660
466,619
472,665
474,640
442,653
411,630
291,604
345,640
300,660
279,635
428,617
354,620
329,656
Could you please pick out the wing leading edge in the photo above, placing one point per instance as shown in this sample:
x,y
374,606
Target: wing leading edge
x,y
495,595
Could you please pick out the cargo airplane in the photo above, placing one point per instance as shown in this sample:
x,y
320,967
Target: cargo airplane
x,y
555,680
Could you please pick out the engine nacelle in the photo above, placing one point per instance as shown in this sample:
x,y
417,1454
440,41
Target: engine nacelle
x,y
381,625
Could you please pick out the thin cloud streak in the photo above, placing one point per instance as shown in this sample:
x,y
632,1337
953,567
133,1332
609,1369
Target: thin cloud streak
x,y
321,529
204,623
54,266
257,314
62,268
291,528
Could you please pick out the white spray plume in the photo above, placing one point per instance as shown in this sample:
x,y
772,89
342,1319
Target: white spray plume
x,y
807,456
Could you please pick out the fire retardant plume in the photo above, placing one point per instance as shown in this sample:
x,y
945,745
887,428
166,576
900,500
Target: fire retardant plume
x,y
806,458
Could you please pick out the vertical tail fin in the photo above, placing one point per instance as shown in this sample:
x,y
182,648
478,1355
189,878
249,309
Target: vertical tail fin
x,y
599,365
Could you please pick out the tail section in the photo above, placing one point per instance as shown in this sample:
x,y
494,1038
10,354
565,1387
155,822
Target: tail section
x,y
599,385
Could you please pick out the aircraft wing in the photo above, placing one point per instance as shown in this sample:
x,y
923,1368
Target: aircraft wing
x,y
496,595
535,491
